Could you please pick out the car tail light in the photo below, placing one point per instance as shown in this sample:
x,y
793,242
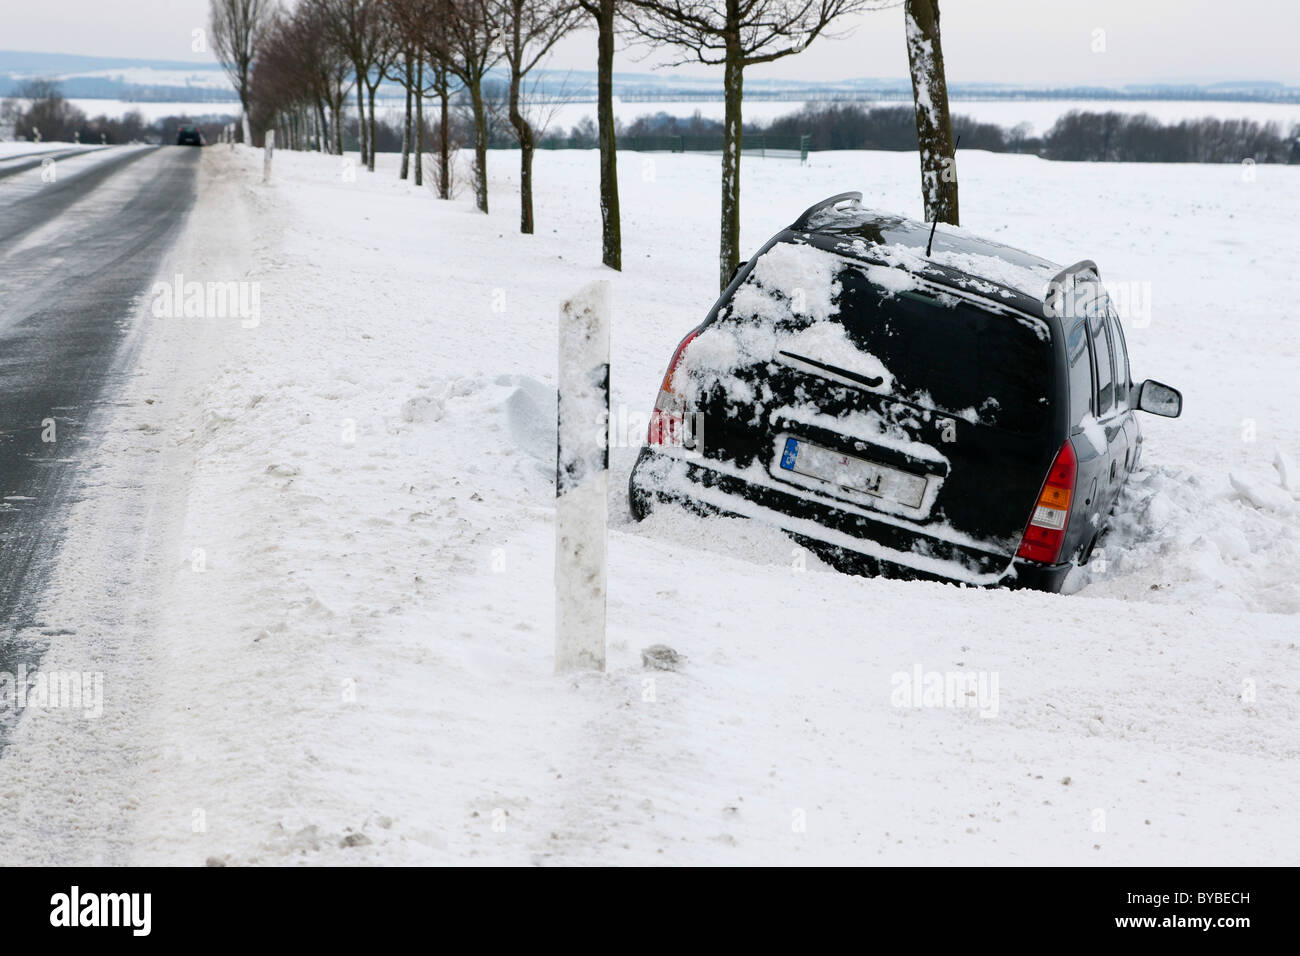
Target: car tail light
x,y
667,421
1046,531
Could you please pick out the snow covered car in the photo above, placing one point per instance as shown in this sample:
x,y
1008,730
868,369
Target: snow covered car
x,y
904,403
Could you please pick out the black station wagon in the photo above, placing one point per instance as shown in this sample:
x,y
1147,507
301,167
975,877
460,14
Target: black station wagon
x,y
905,403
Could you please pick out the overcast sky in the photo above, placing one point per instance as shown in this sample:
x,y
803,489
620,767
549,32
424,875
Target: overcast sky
x,y
1016,41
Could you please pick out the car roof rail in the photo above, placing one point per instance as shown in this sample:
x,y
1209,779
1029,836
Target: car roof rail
x,y
808,213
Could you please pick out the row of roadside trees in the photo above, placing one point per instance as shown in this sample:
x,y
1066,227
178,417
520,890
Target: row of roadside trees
x,y
296,67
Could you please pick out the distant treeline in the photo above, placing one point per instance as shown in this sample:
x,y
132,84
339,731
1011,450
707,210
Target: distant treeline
x,y
40,107
1076,136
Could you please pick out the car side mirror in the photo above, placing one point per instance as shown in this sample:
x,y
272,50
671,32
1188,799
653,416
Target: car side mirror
x,y
1160,399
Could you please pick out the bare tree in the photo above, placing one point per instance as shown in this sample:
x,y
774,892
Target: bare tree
x,y
448,148
38,105
420,90
289,83
421,26
735,34
933,125
528,30
236,27
469,48
402,72
280,90
329,68
611,236
410,22
442,84
360,28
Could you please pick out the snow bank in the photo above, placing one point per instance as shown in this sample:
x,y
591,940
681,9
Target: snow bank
x,y
1176,538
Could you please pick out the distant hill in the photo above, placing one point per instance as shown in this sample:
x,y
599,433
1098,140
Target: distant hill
x,y
95,77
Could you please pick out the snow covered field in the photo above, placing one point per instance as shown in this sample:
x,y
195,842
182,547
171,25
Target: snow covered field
x,y
151,111
331,641
18,149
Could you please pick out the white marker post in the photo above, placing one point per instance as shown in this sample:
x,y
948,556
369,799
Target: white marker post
x,y
269,149
582,479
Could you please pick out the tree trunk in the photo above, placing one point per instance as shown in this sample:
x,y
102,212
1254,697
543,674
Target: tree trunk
x,y
361,116
444,141
733,82
611,240
406,130
933,126
338,121
370,160
419,122
523,133
480,144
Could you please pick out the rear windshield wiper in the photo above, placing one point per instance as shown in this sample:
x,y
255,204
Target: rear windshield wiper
x,y
867,380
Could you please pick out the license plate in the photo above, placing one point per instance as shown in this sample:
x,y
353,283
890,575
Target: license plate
x,y
853,474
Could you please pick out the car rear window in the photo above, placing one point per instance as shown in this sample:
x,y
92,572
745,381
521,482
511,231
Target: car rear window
x,y
947,354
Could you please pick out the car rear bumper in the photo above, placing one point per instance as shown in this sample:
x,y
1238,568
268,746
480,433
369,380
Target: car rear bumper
x,y
845,537
1034,576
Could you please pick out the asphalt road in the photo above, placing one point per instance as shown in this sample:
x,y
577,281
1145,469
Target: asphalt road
x,y
76,254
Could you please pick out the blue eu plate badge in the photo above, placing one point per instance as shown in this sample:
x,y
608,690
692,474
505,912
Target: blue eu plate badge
x,y
791,453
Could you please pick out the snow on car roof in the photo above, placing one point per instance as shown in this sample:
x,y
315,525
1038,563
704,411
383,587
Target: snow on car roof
x,y
902,242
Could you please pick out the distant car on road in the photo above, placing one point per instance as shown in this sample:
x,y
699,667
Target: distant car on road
x,y
190,135
961,412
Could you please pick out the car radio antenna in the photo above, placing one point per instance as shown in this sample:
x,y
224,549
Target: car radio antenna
x,y
935,225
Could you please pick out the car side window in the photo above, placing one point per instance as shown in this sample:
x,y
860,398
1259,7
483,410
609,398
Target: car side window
x,y
1123,377
1080,369
1105,369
